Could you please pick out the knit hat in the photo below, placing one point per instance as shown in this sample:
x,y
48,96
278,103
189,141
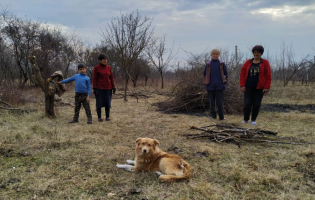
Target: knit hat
x,y
258,48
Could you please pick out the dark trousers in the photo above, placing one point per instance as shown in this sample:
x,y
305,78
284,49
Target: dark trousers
x,y
99,112
216,98
79,99
252,102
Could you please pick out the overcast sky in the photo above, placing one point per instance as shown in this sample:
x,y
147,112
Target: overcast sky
x,y
195,25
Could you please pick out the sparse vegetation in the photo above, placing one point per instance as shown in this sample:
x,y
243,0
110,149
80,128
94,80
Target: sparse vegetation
x,y
47,158
43,158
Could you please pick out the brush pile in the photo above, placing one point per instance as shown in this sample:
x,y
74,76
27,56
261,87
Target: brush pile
x,y
238,135
190,95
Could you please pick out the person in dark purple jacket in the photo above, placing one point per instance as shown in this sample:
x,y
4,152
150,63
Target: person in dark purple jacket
x,y
215,78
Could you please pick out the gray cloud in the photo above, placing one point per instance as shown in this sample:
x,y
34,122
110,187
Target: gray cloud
x,y
195,24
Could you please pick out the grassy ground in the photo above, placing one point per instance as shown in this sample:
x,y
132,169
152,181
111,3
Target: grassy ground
x,y
42,158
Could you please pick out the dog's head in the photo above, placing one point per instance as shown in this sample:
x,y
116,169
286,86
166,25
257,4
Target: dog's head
x,y
146,146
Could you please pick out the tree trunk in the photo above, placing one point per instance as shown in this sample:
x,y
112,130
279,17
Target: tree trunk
x,y
25,80
48,88
126,87
50,105
145,81
134,81
162,78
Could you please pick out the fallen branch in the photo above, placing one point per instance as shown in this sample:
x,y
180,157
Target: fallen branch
x,y
8,108
6,103
293,143
231,133
231,129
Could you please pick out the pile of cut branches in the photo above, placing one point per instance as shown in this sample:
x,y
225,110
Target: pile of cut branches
x,y
190,95
238,135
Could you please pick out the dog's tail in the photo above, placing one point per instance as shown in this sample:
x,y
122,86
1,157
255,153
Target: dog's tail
x,y
171,178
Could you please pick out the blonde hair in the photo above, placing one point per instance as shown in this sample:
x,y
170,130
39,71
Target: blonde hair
x,y
215,51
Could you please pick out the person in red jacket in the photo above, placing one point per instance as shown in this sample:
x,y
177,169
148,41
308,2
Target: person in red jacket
x,y
103,86
255,81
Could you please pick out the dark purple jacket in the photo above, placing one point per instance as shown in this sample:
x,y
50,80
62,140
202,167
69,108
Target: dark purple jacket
x,y
215,75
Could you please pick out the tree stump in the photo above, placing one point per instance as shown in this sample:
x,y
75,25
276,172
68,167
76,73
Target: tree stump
x,y
49,87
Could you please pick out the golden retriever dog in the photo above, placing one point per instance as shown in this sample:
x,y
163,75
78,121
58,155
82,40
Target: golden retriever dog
x,y
150,158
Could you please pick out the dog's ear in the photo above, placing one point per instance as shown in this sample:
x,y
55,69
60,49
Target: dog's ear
x,y
138,140
156,142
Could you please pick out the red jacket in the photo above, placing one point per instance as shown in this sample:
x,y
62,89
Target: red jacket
x,y
103,78
264,75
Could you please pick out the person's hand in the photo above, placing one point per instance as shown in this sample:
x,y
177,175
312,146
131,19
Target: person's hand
x,y
266,91
114,90
243,89
59,82
88,99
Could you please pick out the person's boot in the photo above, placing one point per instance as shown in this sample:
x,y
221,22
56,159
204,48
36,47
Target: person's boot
x,y
89,121
74,120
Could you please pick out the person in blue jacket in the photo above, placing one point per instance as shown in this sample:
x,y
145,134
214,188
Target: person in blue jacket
x,y
215,79
82,93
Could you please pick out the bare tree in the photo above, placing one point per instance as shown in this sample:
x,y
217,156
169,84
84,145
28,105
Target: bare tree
x,y
146,70
140,68
128,35
72,47
7,67
160,56
233,65
288,69
48,86
21,36
48,49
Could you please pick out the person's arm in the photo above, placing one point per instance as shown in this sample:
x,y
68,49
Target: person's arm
x,y
111,76
268,77
242,77
69,80
88,82
225,72
94,77
204,72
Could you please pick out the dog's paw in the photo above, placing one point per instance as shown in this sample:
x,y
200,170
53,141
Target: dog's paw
x,y
125,167
158,173
132,162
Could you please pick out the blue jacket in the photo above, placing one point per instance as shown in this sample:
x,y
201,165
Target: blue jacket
x,y
82,83
215,75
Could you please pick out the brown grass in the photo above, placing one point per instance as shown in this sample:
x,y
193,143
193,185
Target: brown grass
x,y
42,158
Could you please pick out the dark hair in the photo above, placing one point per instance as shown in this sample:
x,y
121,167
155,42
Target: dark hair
x,y
81,66
258,48
102,56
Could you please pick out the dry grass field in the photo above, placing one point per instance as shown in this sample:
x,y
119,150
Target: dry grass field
x,y
42,158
